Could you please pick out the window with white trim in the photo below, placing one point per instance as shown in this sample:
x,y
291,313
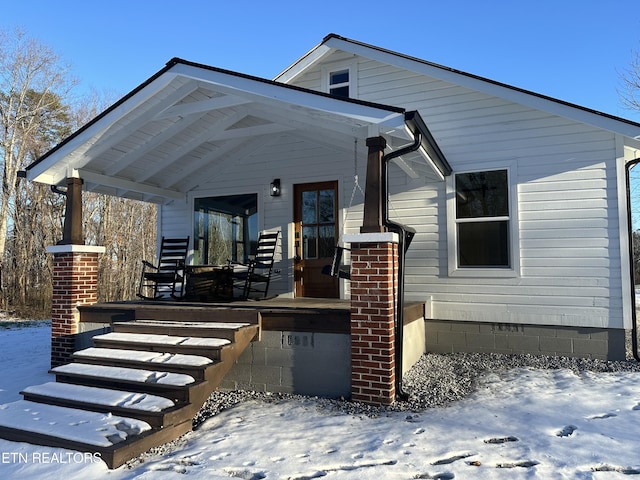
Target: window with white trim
x,y
339,83
340,79
483,224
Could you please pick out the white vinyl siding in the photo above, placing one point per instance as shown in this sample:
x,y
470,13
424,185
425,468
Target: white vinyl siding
x,y
293,161
568,245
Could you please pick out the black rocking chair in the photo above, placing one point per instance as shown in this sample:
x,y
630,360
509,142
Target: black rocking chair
x,y
168,277
255,276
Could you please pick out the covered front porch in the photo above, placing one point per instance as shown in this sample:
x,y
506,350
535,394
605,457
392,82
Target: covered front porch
x,y
260,156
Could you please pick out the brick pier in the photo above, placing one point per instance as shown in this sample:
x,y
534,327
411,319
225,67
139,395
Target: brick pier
x,y
75,282
373,303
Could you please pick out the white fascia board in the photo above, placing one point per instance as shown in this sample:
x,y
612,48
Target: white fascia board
x,y
303,63
267,92
52,170
490,87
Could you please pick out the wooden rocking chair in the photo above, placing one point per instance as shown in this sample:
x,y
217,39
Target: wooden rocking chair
x,y
255,276
168,277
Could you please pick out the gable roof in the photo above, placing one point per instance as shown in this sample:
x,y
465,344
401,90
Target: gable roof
x,y
333,42
172,132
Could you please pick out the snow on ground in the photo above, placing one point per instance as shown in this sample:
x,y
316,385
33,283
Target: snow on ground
x,y
521,424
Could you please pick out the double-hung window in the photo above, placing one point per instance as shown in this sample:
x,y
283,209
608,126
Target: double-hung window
x,y
482,224
339,79
339,83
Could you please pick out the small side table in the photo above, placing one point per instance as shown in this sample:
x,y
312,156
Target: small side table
x,y
208,283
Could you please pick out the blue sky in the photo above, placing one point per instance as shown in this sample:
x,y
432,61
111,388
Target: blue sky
x,y
573,50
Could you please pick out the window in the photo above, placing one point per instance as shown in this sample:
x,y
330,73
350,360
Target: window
x,y
226,228
483,224
340,79
339,83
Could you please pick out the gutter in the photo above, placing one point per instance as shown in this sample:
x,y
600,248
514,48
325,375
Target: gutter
x,y
634,319
405,235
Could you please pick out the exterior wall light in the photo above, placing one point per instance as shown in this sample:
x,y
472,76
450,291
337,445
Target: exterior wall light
x,y
275,188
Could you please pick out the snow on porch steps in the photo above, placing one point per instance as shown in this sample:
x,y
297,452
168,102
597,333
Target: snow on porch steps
x,y
121,374
144,356
206,346
226,330
101,396
186,324
91,428
159,339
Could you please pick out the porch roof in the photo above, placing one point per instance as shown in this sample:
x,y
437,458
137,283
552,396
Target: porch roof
x,y
171,133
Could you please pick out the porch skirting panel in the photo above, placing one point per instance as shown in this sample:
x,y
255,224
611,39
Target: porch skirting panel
x,y
446,336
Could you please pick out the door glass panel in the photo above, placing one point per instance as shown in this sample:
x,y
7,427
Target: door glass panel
x,y
309,207
310,242
327,241
326,206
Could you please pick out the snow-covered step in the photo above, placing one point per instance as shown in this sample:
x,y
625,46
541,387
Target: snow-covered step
x,y
163,358
194,365
206,346
176,386
71,424
226,330
113,438
100,396
129,375
157,411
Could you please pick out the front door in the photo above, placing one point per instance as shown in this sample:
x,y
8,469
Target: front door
x,y
316,230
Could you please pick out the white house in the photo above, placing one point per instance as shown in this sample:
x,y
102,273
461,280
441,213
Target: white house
x,y
518,200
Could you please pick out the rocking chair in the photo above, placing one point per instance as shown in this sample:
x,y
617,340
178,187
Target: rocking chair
x,y
255,276
167,278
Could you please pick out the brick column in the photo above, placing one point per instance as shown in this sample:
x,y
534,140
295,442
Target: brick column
x,y
75,282
373,300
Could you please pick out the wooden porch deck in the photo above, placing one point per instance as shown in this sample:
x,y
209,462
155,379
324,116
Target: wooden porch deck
x,y
326,315
279,313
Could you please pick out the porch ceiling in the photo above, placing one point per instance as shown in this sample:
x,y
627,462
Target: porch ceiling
x,y
172,132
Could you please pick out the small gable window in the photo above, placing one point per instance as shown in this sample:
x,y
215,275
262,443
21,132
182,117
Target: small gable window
x,y
339,83
340,78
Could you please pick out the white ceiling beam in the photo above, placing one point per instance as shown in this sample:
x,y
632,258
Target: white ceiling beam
x,y
194,168
129,185
121,129
209,169
252,131
192,144
128,158
202,106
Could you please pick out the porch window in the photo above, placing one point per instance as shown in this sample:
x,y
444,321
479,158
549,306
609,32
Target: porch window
x,y
483,223
226,228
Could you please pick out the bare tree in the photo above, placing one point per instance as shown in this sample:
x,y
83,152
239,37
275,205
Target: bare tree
x,y
630,92
33,82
